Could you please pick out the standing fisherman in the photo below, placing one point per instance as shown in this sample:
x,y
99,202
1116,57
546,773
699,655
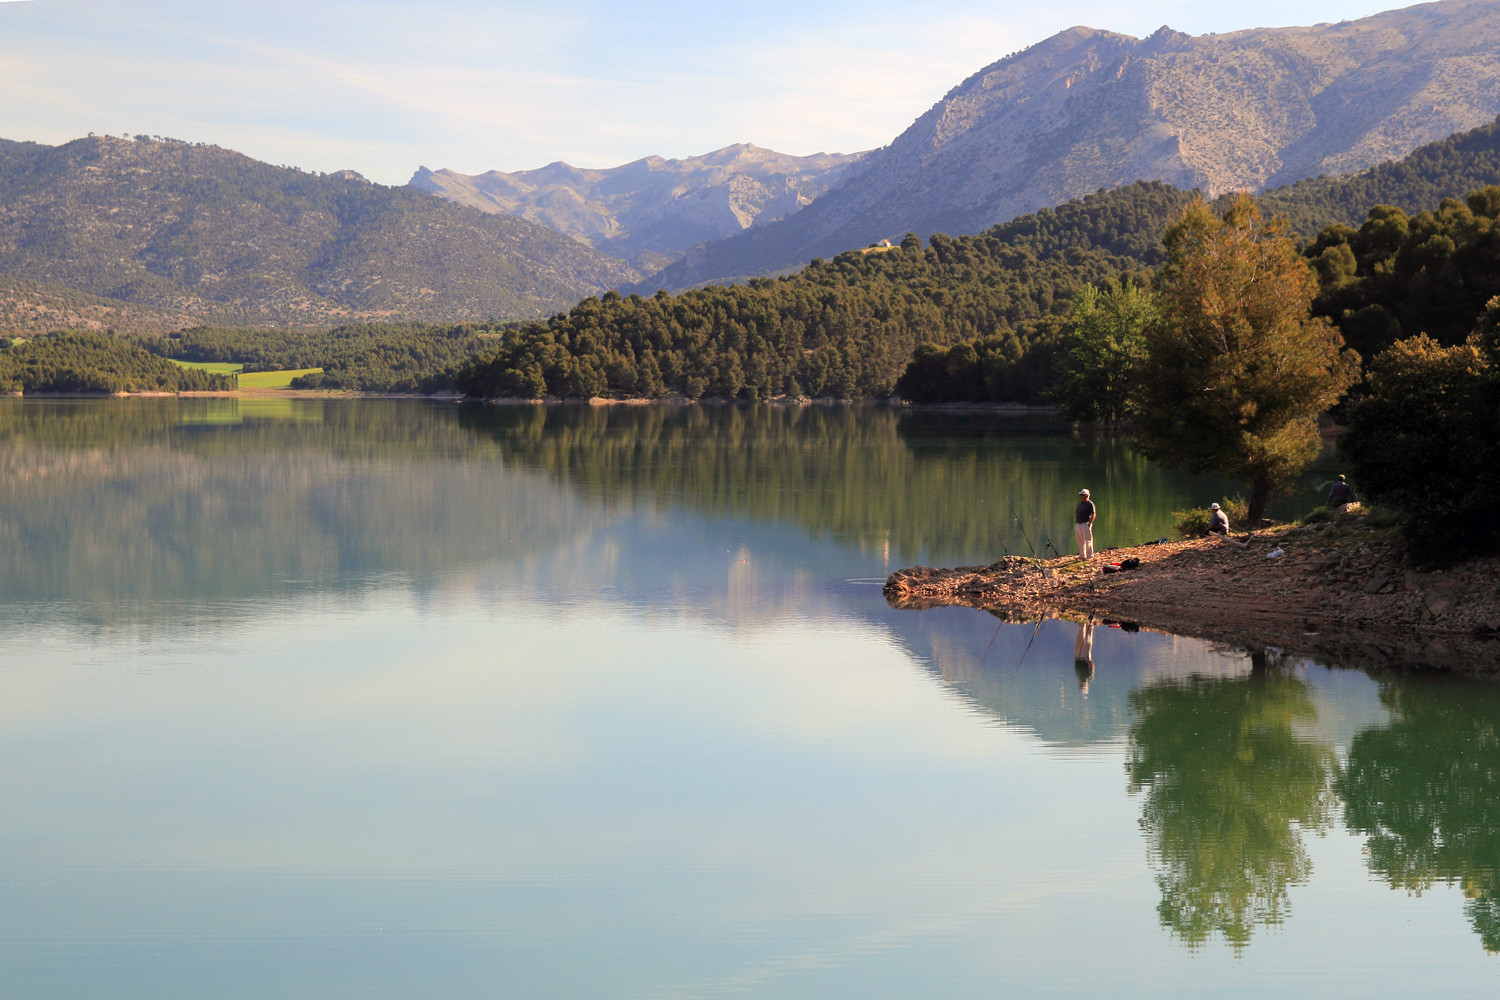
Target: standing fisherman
x,y
1083,525
1340,494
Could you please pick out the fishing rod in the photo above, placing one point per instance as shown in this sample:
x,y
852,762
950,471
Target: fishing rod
x,y
1035,629
998,626
1042,532
1046,570
1005,549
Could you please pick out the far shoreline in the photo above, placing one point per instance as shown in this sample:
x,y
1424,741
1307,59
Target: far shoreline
x,y
1003,409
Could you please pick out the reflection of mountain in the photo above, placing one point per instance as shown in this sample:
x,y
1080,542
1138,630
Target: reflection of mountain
x,y
1426,789
170,501
1229,787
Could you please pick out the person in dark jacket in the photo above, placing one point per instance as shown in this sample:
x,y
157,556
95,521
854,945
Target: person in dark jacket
x,y
1340,494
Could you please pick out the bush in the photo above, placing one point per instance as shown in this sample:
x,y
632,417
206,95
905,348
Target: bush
x,y
1194,523
1316,516
1191,523
1423,442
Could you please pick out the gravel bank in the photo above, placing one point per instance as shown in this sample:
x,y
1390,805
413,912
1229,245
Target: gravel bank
x,y
1339,592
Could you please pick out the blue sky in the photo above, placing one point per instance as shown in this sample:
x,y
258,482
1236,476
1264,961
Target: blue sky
x,y
382,86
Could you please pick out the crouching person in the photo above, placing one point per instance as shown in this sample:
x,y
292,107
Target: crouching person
x,y
1218,521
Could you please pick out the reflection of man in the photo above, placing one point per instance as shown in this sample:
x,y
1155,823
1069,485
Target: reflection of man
x,y
1083,655
1083,524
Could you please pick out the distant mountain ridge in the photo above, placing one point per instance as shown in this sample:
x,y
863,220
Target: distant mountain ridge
x,y
1089,109
650,211
165,229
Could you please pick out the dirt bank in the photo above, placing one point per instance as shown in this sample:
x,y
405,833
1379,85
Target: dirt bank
x,y
1340,592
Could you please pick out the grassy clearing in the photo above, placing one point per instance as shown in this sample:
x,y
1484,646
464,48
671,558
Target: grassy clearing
x,y
273,380
216,367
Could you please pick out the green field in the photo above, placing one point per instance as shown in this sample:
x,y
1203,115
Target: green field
x,y
249,380
273,380
217,367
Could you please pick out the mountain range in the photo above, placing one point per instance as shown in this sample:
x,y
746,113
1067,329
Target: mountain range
x,y
133,234
147,235
1089,109
650,211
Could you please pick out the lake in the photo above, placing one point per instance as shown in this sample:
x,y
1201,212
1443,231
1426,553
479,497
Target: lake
x,y
389,698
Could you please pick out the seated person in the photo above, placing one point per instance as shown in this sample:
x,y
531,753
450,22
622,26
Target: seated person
x,y
1218,522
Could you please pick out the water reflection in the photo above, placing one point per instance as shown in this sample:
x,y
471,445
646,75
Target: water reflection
x,y
1426,791
618,678
1230,786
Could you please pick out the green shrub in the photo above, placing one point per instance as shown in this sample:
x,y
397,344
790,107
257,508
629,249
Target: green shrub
x,y
1190,523
1316,516
1194,523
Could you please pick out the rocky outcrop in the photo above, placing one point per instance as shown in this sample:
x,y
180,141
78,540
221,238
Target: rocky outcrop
x,y
1089,109
653,209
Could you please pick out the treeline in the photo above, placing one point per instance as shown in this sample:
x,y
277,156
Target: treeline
x,y
1397,276
1393,277
94,363
366,357
1462,162
846,327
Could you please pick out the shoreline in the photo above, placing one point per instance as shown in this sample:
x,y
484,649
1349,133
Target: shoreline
x,y
1004,409
1339,593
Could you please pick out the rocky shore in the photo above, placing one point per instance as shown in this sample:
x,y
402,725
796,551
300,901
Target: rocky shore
x,y
1339,592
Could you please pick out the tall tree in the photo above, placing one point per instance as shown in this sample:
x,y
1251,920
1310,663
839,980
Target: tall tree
x,y
1238,369
1105,340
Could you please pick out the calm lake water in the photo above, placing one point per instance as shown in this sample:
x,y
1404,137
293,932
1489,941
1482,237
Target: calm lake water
x,y
397,699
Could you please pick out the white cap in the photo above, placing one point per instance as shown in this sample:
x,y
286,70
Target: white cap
x,y
1083,493
1213,506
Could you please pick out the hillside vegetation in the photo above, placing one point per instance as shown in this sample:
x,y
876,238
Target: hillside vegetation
x,y
29,307
207,233
94,363
385,357
845,327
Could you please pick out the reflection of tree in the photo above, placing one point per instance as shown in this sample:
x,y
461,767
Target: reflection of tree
x,y
1426,790
1228,786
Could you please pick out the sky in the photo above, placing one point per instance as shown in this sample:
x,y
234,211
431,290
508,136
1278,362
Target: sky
x,y
385,86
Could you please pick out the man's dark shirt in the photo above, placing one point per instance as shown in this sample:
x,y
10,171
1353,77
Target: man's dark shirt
x,y
1340,495
1084,512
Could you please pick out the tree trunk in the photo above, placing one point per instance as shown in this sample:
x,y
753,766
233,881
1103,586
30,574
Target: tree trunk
x,y
1260,492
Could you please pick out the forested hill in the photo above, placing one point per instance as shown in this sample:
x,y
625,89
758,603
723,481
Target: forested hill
x,y
845,327
1448,168
205,232
848,327
1089,109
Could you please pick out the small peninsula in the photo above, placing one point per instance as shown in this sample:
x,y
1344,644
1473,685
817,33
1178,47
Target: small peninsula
x,y
1338,592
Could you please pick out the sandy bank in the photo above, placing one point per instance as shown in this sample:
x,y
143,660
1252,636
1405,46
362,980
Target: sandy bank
x,y
1346,595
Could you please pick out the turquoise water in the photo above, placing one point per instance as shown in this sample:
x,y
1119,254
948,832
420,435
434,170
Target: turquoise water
x,y
390,699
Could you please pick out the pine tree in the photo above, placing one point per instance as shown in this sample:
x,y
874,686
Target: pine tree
x,y
1237,370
